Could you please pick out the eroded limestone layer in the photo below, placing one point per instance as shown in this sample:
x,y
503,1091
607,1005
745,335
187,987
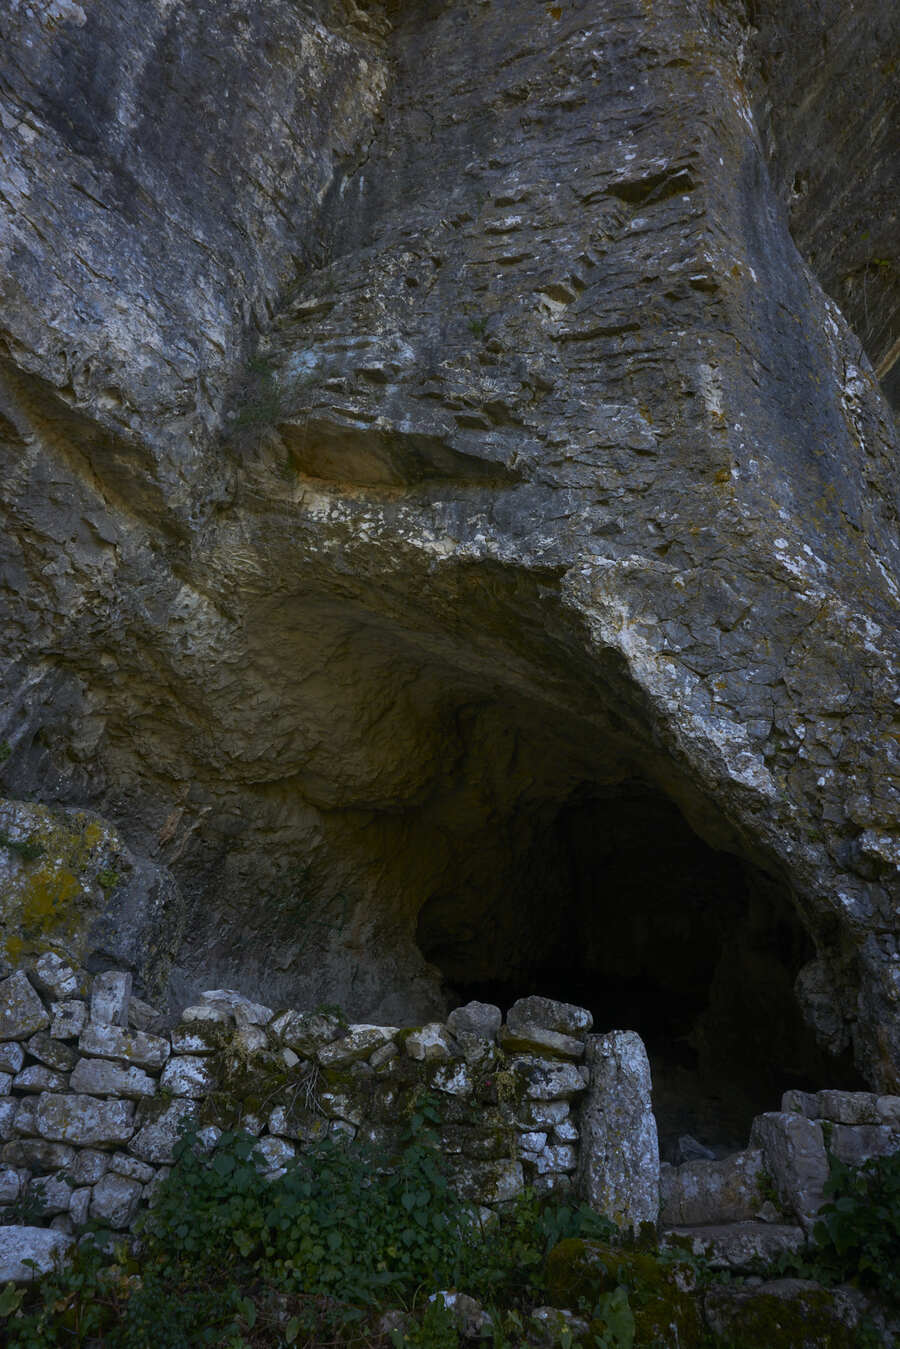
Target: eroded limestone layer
x,y
422,440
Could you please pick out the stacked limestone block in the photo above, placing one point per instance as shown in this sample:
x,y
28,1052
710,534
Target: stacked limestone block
x,y
95,1094
757,1204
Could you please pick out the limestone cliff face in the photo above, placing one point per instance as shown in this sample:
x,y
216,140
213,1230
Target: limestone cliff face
x,y
449,527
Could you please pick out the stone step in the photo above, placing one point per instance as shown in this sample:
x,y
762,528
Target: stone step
x,y
744,1246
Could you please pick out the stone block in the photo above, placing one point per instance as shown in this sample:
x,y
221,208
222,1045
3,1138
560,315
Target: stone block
x,y
101,1077
88,1166
544,1080
6,1081
194,1039
888,1110
69,1019
187,1075
742,1247
797,1313
306,1032
338,1105
244,1010
110,998
431,1044
115,1200
358,1043
21,1010
855,1144
487,1182
51,1052
847,1107
307,1128
479,1019
141,1016
800,1103
218,1012
55,979
703,1193
794,1153
251,1039
28,1252
565,1132
112,1042
53,1193
83,1120
36,1154
10,1184
12,1056
619,1157
563,1017
536,1040
24,1122
560,1184
380,1057
455,1079
158,1131
8,1111
273,1154
36,1078
556,1157
80,1206
542,1113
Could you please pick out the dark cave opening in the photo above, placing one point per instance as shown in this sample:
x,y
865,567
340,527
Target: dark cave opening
x,y
610,900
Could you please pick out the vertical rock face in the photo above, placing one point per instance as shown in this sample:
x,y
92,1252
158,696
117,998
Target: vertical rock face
x,y
424,446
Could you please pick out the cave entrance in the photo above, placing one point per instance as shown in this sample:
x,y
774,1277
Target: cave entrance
x,y
610,900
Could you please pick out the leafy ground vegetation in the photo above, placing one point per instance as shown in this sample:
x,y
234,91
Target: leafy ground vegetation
x,y
347,1248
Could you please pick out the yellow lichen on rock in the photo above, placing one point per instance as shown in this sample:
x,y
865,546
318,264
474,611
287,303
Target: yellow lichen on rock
x,y
49,866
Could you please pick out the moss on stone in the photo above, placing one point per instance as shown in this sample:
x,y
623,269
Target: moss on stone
x,y
51,899
580,1273
806,1320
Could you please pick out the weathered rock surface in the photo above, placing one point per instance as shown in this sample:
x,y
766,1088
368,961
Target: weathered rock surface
x,y
746,1246
19,1245
439,477
703,1192
619,1156
794,1154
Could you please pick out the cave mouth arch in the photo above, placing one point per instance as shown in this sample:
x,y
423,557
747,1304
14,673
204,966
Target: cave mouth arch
x,y
610,900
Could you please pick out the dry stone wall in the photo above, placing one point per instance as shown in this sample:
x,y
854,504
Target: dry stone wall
x,y
95,1091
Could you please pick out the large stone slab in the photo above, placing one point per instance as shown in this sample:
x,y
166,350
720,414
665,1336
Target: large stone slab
x,y
729,1190
83,1120
551,1044
563,1017
19,1245
618,1173
856,1144
744,1247
112,1042
101,1077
